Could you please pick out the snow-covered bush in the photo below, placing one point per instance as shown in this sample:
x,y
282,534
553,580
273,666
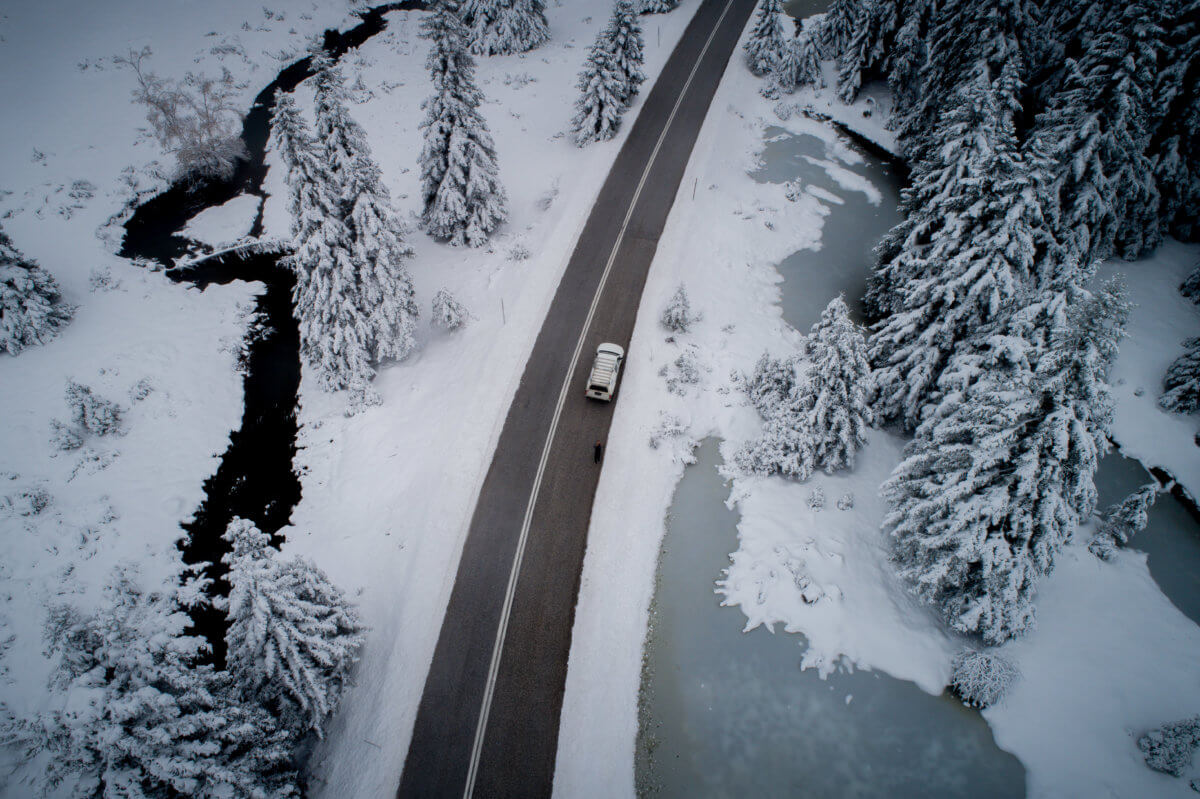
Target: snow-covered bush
x,y
91,412
197,119
292,636
845,501
657,6
981,678
785,447
1122,521
31,306
448,313
1190,287
134,714
64,437
669,427
771,383
766,41
683,371
1170,748
816,498
462,199
677,315
611,76
27,501
1182,382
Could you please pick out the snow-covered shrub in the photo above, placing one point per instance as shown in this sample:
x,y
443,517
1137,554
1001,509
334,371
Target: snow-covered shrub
x,y
31,306
677,315
669,427
27,501
1170,748
91,412
292,636
657,6
1190,287
197,119
448,312
141,389
816,498
64,437
519,251
1122,521
133,713
505,27
981,678
682,372
1182,382
785,446
102,279
845,501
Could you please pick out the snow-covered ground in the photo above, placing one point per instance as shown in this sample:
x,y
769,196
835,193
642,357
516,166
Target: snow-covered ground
x,y
387,493
1111,657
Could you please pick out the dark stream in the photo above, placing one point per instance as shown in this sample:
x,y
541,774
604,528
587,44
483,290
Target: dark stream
x,y
255,479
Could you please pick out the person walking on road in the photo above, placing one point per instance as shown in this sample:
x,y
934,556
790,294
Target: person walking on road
x,y
599,450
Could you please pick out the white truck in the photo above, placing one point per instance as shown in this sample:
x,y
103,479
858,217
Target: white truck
x,y
602,382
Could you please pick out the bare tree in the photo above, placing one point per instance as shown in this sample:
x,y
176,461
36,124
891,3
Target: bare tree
x,y
195,119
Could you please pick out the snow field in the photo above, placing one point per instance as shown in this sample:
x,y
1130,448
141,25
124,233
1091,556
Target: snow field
x,y
388,493
1097,673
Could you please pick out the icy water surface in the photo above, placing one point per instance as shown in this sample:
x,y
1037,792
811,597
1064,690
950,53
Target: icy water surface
x,y
1171,539
869,191
730,714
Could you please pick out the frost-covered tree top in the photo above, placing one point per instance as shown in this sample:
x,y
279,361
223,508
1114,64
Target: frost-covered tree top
x,y
839,386
1174,149
839,25
677,314
31,307
610,78
504,27
766,39
292,635
462,198
657,6
307,176
1181,383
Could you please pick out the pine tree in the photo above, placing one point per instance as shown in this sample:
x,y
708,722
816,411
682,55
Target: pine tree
x,y
1182,382
461,195
610,78
970,251
505,27
867,53
841,21
803,53
786,446
448,313
1190,287
838,387
292,635
677,315
766,40
140,717
354,297
31,306
658,6
1122,521
1173,148
1097,131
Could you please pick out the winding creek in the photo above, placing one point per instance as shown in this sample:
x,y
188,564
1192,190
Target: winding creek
x,y
255,479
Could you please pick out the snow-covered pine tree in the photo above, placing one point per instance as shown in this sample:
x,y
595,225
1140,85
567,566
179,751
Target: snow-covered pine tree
x,y
462,198
785,447
1096,130
292,634
92,412
504,27
771,383
1181,385
838,388
839,25
139,717
766,40
867,53
970,250
1173,148
677,315
610,78
31,306
1190,287
657,6
1123,520
804,54
448,313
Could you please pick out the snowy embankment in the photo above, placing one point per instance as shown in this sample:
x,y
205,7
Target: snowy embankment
x,y
1095,676
74,155
388,493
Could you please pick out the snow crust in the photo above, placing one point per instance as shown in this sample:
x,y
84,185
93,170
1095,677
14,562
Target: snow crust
x,y
225,224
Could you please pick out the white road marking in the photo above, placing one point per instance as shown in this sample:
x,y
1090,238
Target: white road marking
x,y
506,611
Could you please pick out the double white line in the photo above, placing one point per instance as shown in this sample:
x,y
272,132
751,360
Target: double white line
x,y
498,648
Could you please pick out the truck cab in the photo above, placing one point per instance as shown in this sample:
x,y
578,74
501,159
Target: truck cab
x,y
602,380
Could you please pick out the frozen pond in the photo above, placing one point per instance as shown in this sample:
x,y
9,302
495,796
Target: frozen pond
x,y
727,713
1171,539
869,193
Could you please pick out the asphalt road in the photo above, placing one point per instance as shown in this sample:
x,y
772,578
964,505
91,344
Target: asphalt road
x,y
488,719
